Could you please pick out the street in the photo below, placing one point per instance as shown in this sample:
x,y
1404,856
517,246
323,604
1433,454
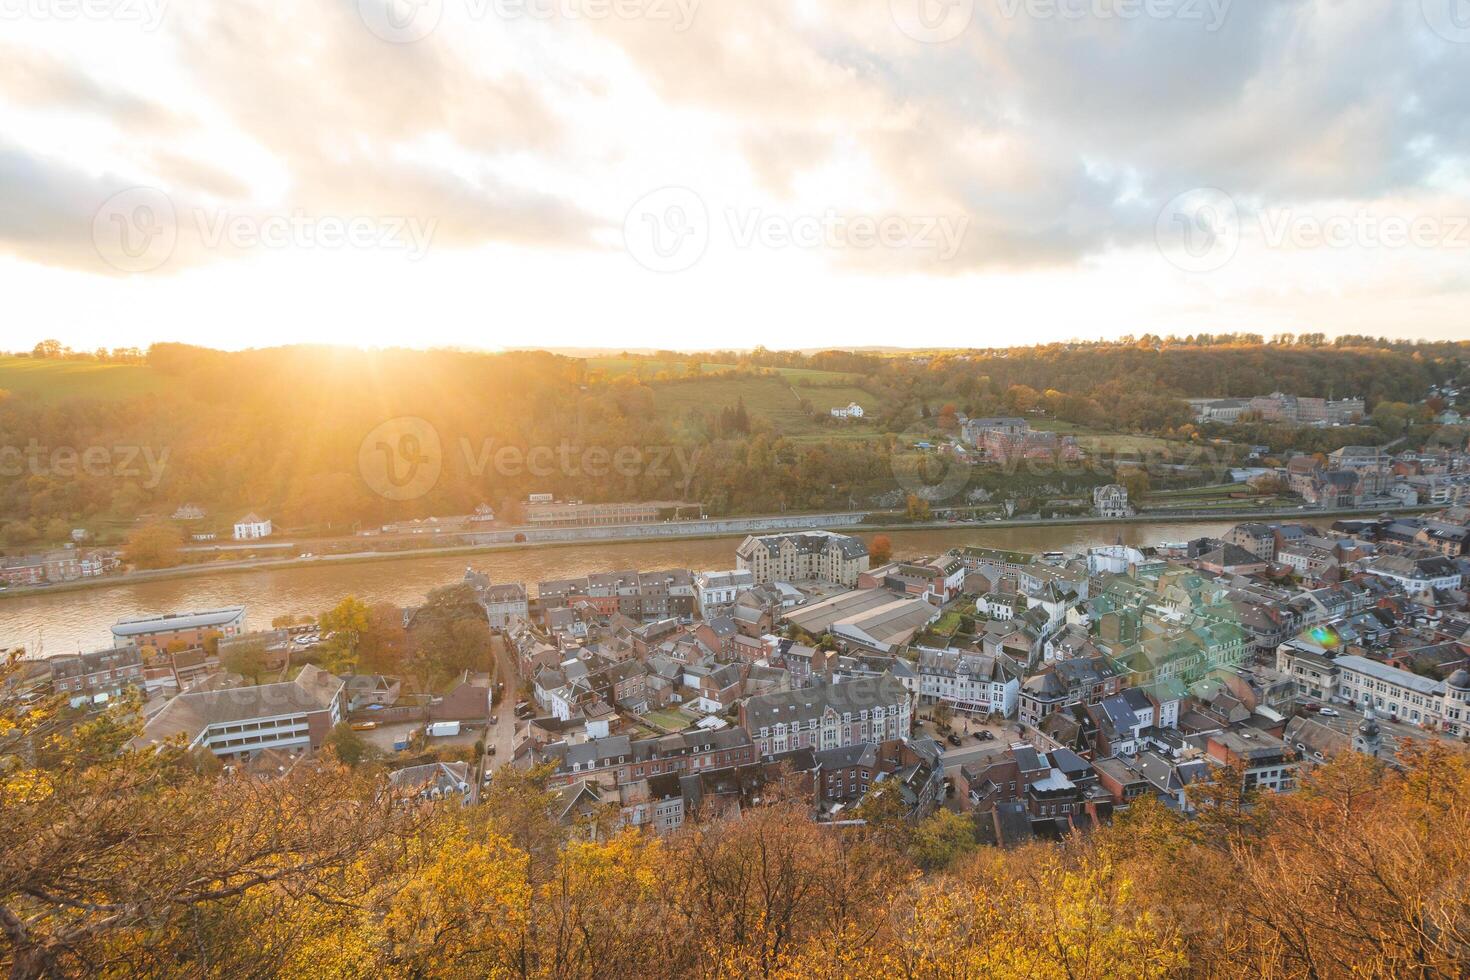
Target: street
x,y
501,735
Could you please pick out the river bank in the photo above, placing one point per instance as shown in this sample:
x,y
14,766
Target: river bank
x,y
65,622
261,564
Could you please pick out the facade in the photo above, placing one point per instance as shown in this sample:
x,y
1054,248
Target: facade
x,y
62,565
971,683
828,716
716,592
574,513
96,676
1417,576
187,629
505,605
240,723
803,555
251,527
975,430
1268,763
1111,501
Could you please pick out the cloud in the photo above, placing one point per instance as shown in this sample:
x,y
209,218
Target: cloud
x,y
1054,130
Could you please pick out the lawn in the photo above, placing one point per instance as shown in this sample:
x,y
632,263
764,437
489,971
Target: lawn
x,y
56,380
669,718
1103,442
824,399
1221,490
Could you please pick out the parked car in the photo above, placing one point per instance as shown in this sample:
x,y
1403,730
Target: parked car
x,y
1311,706
987,736
980,736
953,739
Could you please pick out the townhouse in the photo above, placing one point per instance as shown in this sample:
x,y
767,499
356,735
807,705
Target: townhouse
x,y
969,682
828,716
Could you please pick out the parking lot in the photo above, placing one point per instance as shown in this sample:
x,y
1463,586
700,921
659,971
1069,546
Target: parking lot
x,y
384,736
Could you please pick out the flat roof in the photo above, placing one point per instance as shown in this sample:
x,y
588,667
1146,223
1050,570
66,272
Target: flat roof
x,y
177,621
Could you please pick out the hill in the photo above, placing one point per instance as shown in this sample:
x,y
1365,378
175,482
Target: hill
x,y
59,380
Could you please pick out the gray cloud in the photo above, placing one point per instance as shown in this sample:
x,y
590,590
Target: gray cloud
x,y
1056,138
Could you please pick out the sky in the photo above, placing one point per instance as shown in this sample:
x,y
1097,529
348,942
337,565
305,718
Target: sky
x,y
701,174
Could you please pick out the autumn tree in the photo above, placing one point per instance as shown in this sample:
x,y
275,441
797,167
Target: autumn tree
x,y
154,545
880,550
343,625
248,658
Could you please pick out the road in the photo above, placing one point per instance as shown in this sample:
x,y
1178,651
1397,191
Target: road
x,y
1348,719
502,734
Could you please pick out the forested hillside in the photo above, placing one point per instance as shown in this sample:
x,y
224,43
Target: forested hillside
x,y
280,430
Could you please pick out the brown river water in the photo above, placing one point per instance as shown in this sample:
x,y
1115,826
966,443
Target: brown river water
x,y
80,620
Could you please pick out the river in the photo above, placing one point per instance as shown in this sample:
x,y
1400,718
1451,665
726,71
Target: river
x,y
81,620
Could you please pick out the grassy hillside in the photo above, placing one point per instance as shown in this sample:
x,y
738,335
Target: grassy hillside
x,y
767,397
55,380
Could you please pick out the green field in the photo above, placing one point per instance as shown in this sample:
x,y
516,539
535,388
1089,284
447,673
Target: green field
x,y
825,399
768,397
56,380
797,375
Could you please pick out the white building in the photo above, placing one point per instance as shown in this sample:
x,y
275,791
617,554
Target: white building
x,y
252,526
852,411
1417,576
1401,694
1396,693
1111,501
976,683
716,591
